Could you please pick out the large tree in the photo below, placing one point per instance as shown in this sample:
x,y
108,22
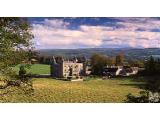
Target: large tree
x,y
15,41
119,59
98,62
15,47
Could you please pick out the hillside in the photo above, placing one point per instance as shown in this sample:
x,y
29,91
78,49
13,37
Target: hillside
x,y
130,53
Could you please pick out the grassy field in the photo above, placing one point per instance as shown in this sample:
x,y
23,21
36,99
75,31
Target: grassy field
x,y
47,90
36,69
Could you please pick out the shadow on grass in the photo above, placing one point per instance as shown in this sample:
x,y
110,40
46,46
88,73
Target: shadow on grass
x,y
136,85
135,81
143,81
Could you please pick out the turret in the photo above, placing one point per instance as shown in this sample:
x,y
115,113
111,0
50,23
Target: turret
x,y
54,60
75,59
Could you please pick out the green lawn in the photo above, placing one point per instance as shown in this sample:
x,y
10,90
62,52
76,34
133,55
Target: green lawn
x,y
36,69
56,91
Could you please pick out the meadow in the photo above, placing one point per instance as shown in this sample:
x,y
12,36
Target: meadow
x,y
35,69
93,90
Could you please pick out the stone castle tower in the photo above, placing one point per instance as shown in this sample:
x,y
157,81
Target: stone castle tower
x,y
61,68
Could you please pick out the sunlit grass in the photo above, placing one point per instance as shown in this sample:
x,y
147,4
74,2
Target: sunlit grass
x,y
57,91
35,69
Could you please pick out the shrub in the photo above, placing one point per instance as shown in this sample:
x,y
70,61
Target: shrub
x,y
145,97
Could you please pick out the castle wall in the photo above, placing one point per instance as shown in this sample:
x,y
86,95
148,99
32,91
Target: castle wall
x,y
67,69
77,69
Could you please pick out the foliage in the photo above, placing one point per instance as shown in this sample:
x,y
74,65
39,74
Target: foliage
x,y
153,83
23,82
15,44
22,71
136,63
119,59
98,62
26,82
23,76
15,36
150,92
145,97
15,47
152,71
32,55
15,41
152,67
44,60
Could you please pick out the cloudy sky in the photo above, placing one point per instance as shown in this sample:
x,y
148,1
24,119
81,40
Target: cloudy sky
x,y
64,33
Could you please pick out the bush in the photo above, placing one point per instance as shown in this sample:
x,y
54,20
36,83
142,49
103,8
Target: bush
x,y
152,67
22,71
145,97
22,81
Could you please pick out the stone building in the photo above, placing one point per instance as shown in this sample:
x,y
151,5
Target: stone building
x,y
120,70
67,68
112,70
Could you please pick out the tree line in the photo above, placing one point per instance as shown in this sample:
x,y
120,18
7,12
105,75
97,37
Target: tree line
x,y
98,62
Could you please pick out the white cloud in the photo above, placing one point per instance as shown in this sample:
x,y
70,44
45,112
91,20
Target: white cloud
x,y
56,23
55,34
132,24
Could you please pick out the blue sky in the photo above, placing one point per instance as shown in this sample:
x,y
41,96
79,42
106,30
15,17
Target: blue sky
x,y
95,32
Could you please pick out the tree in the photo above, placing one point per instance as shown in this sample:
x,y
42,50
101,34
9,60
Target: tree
x,y
15,44
119,59
152,66
110,61
152,71
151,92
98,62
41,59
136,63
15,41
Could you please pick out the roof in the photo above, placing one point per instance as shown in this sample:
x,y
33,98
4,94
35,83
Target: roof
x,y
110,69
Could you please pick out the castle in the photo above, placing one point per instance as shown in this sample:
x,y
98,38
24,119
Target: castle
x,y
67,68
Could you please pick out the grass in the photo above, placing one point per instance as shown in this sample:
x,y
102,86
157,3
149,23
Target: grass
x,y
36,69
47,90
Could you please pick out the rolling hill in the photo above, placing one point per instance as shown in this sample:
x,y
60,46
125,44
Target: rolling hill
x,y
130,53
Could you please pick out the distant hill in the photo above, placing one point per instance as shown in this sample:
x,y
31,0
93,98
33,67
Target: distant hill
x,y
130,53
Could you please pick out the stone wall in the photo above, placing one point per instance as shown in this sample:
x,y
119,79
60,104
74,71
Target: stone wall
x,y
67,69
